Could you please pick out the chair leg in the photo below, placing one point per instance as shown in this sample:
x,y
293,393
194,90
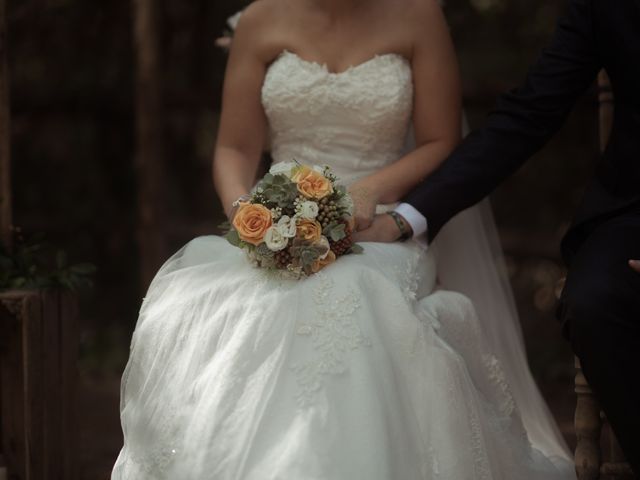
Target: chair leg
x,y
588,425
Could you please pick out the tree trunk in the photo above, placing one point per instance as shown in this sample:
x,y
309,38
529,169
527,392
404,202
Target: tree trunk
x,y
5,134
149,149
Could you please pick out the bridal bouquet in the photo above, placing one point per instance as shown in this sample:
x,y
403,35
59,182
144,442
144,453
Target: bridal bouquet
x,y
297,220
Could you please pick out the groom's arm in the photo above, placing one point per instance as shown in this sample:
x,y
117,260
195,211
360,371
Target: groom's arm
x,y
522,122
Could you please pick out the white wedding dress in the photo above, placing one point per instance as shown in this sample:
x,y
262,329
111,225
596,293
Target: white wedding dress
x,y
363,371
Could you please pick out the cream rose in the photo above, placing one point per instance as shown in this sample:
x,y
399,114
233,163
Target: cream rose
x,y
252,222
311,183
287,226
274,240
309,210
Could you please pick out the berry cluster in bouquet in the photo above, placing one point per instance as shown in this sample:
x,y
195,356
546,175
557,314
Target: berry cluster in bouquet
x,y
297,220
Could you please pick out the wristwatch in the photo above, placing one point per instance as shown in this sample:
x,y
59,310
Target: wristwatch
x,y
405,234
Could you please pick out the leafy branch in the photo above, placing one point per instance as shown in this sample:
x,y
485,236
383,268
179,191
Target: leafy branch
x,y
35,264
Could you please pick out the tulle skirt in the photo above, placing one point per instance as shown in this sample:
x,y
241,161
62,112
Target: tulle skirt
x,y
363,371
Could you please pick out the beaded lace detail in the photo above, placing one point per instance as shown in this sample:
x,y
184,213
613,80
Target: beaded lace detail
x,y
334,333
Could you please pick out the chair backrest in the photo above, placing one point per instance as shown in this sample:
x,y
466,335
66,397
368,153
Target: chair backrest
x,y
606,108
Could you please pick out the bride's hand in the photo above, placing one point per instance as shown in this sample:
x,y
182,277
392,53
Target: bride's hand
x,y
365,202
231,212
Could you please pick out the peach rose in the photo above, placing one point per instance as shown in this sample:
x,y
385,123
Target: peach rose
x,y
323,262
252,222
311,183
309,230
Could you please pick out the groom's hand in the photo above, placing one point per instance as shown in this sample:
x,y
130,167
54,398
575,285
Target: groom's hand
x,y
383,229
635,264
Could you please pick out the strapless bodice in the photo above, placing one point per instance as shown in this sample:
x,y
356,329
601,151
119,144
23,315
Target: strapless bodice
x,y
355,121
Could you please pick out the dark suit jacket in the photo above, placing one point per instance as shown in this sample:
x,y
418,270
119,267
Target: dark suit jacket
x,y
591,35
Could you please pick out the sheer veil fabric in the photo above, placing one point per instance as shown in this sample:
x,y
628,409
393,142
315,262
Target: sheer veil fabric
x,y
470,260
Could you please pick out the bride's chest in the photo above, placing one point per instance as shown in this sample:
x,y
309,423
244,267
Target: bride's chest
x,y
300,92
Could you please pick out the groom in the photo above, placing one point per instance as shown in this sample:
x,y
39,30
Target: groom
x,y
600,305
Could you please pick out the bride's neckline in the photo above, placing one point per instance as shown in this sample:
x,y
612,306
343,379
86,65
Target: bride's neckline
x,y
350,68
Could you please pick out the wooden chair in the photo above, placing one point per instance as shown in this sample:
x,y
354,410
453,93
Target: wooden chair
x,y
598,453
38,352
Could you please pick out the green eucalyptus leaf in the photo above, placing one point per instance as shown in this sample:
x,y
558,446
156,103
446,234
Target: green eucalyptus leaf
x,y
233,238
335,231
308,257
355,248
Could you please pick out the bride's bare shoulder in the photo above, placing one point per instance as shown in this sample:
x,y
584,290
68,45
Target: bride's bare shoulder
x,y
424,23
420,12
261,12
259,27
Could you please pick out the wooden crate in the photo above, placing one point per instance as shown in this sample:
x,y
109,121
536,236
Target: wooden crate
x,y
38,352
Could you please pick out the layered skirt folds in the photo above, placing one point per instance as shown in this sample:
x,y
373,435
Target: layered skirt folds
x,y
365,370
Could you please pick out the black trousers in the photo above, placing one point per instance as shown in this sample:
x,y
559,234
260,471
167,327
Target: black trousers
x,y
600,308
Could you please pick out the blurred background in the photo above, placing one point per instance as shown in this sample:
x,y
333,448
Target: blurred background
x,y
83,108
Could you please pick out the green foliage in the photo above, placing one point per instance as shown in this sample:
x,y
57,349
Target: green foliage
x,y
357,249
233,238
263,251
335,231
340,191
307,252
277,190
37,265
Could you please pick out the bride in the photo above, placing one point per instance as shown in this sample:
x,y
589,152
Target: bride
x,y
366,370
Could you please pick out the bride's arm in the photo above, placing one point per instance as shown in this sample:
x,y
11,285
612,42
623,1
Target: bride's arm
x,y
243,125
437,113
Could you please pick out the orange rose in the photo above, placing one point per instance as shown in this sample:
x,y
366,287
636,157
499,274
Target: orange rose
x,y
252,222
312,184
309,230
324,262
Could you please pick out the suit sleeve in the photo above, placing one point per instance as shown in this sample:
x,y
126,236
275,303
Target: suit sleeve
x,y
521,123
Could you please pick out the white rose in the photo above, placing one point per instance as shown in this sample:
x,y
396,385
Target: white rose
x,y
309,210
282,168
286,226
274,240
346,203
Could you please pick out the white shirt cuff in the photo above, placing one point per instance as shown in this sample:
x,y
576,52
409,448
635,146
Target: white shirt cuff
x,y
413,217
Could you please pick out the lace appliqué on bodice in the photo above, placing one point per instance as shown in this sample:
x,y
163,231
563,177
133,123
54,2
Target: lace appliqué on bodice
x,y
355,121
